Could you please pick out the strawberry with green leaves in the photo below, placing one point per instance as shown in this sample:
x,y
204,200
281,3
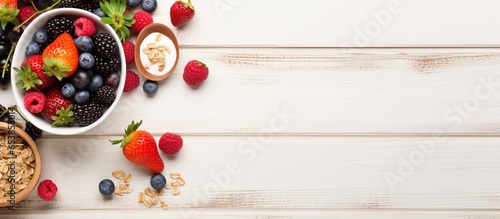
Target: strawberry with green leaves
x,y
60,58
8,12
57,108
181,12
32,76
139,147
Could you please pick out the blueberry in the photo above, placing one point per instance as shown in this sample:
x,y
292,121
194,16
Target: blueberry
x,y
113,80
86,60
150,87
149,5
43,4
99,12
81,79
133,3
84,43
40,36
82,96
68,90
95,83
158,181
32,48
106,187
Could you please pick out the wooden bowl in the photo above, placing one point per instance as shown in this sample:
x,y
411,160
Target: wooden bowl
x,y
5,201
147,31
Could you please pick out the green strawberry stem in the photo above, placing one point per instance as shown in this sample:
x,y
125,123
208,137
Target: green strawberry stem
x,y
53,67
126,138
36,13
4,112
13,46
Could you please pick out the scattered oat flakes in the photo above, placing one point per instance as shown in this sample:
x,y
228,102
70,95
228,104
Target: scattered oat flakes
x,y
163,204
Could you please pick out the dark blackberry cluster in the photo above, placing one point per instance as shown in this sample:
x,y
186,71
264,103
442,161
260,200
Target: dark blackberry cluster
x,y
104,66
70,3
87,113
105,95
34,132
105,45
8,36
58,25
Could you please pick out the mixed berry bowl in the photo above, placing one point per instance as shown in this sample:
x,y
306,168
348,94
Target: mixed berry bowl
x,y
77,94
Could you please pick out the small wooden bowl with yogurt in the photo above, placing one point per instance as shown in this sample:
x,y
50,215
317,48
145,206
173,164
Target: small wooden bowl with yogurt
x,y
156,52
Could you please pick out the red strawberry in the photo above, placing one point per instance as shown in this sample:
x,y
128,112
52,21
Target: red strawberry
x,y
195,73
142,19
60,58
25,13
128,49
139,147
181,12
47,190
8,12
170,143
131,81
31,74
57,108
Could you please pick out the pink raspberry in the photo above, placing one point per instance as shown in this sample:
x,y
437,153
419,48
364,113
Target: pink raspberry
x,y
142,19
128,49
170,143
34,101
47,190
84,27
132,81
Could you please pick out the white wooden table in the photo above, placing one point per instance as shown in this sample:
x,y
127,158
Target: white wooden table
x,y
313,109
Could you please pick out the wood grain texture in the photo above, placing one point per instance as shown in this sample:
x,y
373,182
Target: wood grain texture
x,y
328,91
343,23
287,173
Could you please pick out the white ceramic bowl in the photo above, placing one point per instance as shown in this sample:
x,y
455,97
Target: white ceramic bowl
x,y
20,55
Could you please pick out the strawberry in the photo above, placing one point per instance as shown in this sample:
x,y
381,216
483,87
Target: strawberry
x,y
31,74
60,58
139,147
57,108
8,12
181,12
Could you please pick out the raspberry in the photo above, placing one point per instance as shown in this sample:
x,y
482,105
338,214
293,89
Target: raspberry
x,y
34,101
142,19
195,73
131,81
47,190
84,27
25,12
128,49
170,143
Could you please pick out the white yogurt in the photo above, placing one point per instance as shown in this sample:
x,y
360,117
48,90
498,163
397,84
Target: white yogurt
x,y
169,59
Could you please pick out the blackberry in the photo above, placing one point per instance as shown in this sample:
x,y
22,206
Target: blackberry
x,y
70,3
105,95
58,25
87,113
87,7
105,45
105,66
34,132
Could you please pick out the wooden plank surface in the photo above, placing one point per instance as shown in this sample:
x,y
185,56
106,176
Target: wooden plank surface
x,y
325,91
341,23
235,172
325,108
